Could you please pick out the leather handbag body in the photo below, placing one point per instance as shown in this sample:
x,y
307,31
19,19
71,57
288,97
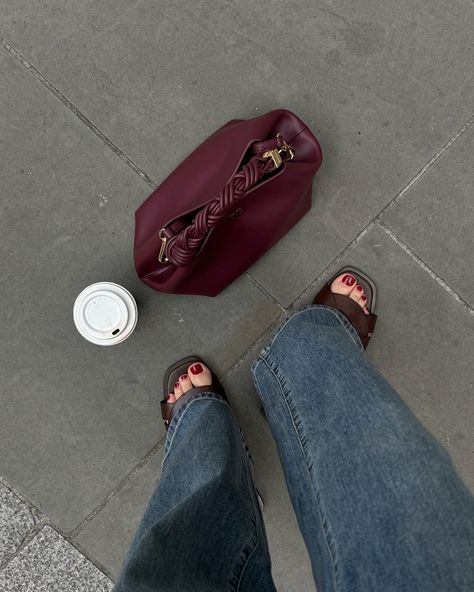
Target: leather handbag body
x,y
226,204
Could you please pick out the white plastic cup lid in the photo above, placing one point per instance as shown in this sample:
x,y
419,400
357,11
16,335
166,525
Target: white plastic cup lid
x,y
105,313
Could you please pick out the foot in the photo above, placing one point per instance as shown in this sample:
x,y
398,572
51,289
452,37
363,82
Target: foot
x,y
346,284
197,375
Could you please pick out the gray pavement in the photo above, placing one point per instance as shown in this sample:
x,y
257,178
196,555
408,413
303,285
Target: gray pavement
x,y
99,102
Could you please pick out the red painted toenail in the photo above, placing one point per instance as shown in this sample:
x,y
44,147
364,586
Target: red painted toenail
x,y
176,385
183,377
196,369
364,298
359,288
348,280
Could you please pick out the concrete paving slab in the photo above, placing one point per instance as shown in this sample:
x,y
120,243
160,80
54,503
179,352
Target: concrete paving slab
x,y
15,521
109,535
420,344
76,418
50,563
383,86
436,217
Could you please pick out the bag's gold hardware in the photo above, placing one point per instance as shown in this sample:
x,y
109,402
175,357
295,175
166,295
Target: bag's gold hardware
x,y
290,152
162,258
276,154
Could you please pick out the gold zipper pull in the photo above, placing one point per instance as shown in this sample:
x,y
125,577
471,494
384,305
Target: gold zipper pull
x,y
162,255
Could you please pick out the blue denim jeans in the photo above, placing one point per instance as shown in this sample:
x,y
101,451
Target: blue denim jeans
x,y
377,499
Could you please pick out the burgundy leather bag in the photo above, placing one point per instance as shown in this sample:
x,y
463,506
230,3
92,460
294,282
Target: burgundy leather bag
x,y
226,204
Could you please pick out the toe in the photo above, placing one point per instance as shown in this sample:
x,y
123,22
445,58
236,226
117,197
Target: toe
x,y
363,303
200,374
344,284
178,391
170,398
185,383
357,294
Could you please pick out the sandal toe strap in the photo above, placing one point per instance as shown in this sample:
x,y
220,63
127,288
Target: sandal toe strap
x,y
364,324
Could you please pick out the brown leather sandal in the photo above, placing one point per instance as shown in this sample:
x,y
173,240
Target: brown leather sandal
x,y
168,410
362,323
172,374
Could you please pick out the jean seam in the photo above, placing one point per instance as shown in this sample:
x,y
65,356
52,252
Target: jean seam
x,y
317,497
343,320
244,567
249,483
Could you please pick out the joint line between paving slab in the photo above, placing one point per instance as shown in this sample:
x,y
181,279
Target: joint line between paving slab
x,y
426,267
40,520
88,556
390,204
36,514
76,531
28,536
34,532
265,333
16,54
266,293
339,257
428,165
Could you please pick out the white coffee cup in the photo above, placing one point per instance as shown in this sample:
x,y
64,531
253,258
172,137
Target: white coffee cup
x,y
105,313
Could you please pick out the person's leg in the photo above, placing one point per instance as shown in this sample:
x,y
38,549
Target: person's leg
x,y
203,529
377,499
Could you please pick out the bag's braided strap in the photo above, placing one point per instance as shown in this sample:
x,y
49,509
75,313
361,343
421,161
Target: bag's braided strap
x,y
182,248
